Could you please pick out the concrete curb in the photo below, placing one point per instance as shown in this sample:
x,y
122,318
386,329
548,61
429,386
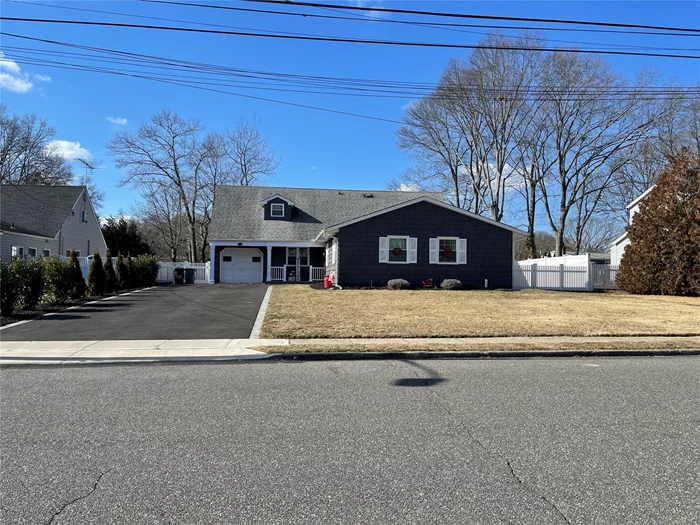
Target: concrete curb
x,y
490,354
348,356
257,326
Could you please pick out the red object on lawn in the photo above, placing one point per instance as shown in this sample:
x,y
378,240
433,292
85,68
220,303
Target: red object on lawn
x,y
326,282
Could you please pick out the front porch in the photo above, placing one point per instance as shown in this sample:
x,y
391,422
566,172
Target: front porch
x,y
272,262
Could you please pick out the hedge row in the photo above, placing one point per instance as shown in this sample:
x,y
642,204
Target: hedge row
x,y
24,283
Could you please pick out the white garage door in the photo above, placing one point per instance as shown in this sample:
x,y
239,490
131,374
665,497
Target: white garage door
x,y
241,265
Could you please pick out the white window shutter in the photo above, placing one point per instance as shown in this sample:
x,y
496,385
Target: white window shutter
x,y
412,249
383,249
433,251
328,253
334,250
461,251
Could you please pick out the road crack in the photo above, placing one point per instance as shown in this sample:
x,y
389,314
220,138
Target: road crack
x,y
442,403
94,488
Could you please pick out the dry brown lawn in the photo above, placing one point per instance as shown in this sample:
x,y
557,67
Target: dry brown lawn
x,y
297,311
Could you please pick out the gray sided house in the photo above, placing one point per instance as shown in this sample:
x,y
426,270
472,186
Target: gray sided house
x,y
41,221
357,238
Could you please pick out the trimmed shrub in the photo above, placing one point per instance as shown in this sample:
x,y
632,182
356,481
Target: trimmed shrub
x,y
664,252
8,289
110,275
60,280
398,284
96,276
145,271
130,271
30,281
122,272
451,284
78,289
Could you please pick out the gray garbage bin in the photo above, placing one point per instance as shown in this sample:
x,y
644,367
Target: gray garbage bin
x,y
190,274
179,276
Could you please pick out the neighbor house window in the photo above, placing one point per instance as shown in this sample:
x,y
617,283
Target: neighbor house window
x,y
46,253
276,209
18,251
31,252
447,250
77,253
83,216
291,256
398,249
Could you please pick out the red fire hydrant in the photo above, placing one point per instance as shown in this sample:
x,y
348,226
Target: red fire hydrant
x,y
326,282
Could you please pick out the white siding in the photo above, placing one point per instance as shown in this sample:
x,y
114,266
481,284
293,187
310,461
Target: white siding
x,y
77,234
10,239
618,250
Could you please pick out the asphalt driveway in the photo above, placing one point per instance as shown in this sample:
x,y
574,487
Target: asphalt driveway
x,y
166,312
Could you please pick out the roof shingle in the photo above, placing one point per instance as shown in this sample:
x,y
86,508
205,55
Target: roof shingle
x,y
238,214
36,210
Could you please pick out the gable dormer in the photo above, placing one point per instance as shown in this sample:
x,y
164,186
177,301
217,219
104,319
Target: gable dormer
x,y
277,208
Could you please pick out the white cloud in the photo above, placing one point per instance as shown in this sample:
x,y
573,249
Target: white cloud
x,y
368,4
119,121
11,76
313,167
409,187
42,78
69,150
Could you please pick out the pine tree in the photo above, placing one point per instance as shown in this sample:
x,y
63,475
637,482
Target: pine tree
x,y
78,289
664,252
110,275
96,276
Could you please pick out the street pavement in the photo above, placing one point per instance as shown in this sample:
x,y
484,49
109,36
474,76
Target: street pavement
x,y
163,312
529,441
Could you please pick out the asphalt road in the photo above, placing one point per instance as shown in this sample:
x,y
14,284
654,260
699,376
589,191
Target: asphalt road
x,y
165,312
540,441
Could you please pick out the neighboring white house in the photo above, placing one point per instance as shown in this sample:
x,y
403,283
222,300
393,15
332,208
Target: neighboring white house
x,y
617,250
41,221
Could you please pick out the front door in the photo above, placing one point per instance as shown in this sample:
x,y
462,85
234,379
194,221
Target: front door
x,y
241,265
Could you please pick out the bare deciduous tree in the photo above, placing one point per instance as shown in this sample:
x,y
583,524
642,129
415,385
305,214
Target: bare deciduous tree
x,y
162,222
590,131
249,156
26,154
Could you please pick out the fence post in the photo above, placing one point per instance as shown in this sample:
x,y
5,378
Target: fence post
x,y
533,276
561,277
589,284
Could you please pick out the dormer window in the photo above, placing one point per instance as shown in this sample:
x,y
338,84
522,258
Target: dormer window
x,y
276,209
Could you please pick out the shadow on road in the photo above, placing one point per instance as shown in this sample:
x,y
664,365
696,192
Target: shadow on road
x,y
431,378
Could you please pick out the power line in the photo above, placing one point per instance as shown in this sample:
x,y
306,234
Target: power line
x,y
320,38
366,87
478,17
434,25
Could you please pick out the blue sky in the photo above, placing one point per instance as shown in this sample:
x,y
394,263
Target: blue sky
x,y
316,149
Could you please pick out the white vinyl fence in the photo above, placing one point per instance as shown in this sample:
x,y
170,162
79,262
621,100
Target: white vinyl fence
x,y
165,271
564,277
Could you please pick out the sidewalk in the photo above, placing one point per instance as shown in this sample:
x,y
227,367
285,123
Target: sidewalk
x,y
145,351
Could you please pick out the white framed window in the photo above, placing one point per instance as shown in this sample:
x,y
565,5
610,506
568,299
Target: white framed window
x,y
84,216
77,253
18,251
31,252
291,256
448,250
46,253
398,249
303,256
276,209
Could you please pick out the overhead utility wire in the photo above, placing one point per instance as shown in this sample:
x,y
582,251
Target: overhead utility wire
x,y
477,17
436,24
368,85
320,38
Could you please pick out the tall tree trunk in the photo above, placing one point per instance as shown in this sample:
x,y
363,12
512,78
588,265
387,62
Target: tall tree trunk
x,y
530,245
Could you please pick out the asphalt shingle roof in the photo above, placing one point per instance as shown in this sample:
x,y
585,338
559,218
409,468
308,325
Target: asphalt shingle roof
x,y
238,214
36,210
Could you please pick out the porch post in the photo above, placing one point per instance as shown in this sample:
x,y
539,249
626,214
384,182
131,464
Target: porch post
x,y
212,262
269,264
